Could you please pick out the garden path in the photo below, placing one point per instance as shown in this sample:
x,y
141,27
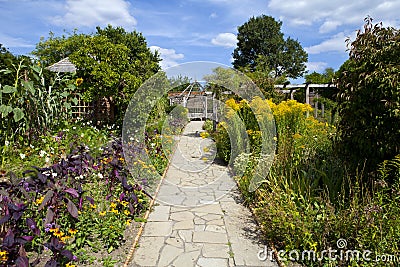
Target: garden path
x,y
198,218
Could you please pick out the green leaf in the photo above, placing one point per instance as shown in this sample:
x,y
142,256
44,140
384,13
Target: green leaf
x,y
75,101
5,71
5,110
64,94
9,89
36,68
18,114
29,86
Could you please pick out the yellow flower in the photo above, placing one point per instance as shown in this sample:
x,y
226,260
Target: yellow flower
x,y
232,104
72,231
128,222
114,211
70,265
64,238
204,135
102,213
93,206
113,205
3,256
127,212
58,234
124,203
296,136
79,81
39,200
53,230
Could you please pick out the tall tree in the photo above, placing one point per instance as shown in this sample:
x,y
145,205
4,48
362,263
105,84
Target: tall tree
x,y
326,77
112,62
260,40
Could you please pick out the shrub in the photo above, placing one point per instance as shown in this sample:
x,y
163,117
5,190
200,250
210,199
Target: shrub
x,y
369,97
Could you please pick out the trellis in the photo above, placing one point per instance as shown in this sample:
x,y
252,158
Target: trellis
x,y
100,110
200,104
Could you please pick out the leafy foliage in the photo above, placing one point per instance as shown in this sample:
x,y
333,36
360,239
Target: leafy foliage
x,y
369,98
112,62
52,207
260,40
326,77
7,61
32,104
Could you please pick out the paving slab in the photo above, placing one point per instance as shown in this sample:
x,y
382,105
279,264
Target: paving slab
x,y
198,220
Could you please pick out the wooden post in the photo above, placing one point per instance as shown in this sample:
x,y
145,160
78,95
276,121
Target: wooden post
x,y
206,115
322,110
315,108
214,113
307,97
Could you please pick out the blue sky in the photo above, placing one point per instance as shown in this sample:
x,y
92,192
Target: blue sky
x,y
197,30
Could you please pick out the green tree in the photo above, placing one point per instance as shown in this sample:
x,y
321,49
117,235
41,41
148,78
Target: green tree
x,y
326,77
369,97
112,62
327,94
260,40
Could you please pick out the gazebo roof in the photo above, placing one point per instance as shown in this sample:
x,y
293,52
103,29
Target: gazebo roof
x,y
64,65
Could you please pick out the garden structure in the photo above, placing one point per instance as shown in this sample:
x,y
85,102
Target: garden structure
x,y
100,110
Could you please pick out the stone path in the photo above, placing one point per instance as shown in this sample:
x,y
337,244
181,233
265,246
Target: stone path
x,y
198,219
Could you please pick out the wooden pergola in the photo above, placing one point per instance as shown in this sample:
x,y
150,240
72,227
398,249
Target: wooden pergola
x,y
310,95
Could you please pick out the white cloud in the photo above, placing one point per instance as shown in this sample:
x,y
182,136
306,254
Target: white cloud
x,y
89,13
336,43
169,56
226,39
316,66
14,42
213,15
329,25
331,14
